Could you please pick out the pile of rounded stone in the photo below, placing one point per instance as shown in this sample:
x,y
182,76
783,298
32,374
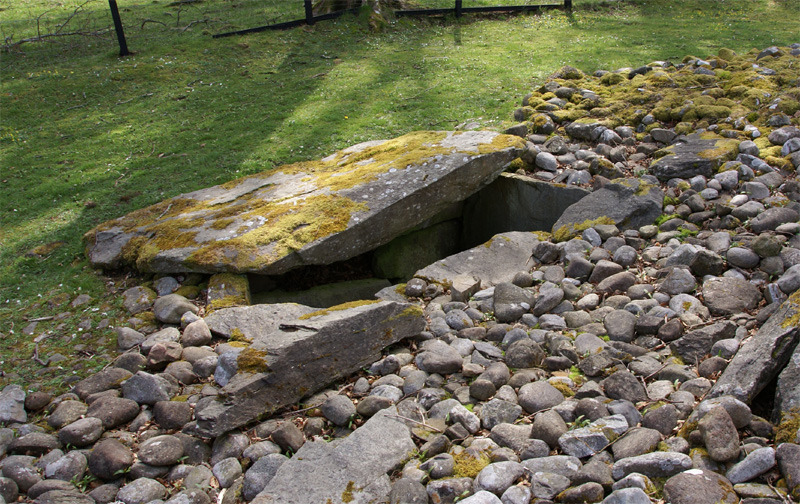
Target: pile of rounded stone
x,y
582,380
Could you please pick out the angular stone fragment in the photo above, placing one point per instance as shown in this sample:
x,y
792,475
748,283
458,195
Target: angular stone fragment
x,y
104,380
699,486
303,355
146,388
494,262
12,405
729,296
696,154
693,346
307,213
253,322
652,465
356,467
626,203
787,395
720,435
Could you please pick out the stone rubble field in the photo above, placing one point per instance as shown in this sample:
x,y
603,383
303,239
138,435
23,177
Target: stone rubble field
x,y
645,350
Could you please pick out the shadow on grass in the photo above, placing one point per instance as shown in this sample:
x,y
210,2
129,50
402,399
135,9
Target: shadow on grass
x,y
188,111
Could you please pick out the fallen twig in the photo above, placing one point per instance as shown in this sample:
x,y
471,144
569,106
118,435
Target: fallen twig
x,y
151,21
423,424
36,356
194,23
165,211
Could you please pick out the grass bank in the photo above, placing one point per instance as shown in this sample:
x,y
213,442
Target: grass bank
x,y
86,136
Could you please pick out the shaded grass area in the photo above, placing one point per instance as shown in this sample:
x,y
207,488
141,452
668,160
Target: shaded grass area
x,y
86,136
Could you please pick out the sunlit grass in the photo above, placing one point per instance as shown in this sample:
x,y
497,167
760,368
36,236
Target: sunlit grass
x,y
86,136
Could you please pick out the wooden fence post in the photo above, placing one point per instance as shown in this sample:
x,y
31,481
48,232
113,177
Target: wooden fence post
x,y
568,4
309,12
458,8
123,46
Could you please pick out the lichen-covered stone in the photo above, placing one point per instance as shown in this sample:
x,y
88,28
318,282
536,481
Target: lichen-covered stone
x,y
302,355
697,154
626,203
308,213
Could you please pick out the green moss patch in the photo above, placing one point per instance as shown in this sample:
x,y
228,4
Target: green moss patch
x,y
570,231
339,307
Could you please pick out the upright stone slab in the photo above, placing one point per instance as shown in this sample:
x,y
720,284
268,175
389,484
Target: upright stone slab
x,y
12,405
351,470
763,356
302,355
787,394
494,262
307,213
516,203
626,203
697,154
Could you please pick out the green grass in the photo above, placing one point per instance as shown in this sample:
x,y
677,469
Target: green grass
x,y
86,136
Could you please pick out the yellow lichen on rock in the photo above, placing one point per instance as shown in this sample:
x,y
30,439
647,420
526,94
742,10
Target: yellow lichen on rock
x,y
567,232
251,360
339,307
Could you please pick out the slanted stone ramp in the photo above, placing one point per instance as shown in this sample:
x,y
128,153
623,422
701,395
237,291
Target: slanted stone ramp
x,y
293,355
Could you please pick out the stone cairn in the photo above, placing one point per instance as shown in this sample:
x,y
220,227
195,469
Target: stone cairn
x,y
611,361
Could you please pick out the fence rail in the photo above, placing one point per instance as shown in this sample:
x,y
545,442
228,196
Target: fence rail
x,y
458,9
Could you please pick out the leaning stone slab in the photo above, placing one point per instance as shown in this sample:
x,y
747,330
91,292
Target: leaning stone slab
x,y
494,262
302,355
787,395
697,154
763,356
626,203
307,213
253,322
353,470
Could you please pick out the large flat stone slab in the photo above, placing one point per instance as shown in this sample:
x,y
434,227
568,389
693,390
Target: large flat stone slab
x,y
494,262
352,470
308,213
697,154
297,356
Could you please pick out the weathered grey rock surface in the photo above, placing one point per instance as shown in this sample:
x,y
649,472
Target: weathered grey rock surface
x,y
695,155
309,213
626,203
486,262
354,469
304,354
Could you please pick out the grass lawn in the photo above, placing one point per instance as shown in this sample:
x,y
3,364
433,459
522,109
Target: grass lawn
x,y
86,136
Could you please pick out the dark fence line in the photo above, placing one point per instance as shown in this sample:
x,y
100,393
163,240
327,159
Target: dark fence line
x,y
310,19
458,9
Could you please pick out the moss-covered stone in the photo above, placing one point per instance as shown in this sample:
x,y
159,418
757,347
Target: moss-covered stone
x,y
226,290
261,223
468,466
567,232
340,307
